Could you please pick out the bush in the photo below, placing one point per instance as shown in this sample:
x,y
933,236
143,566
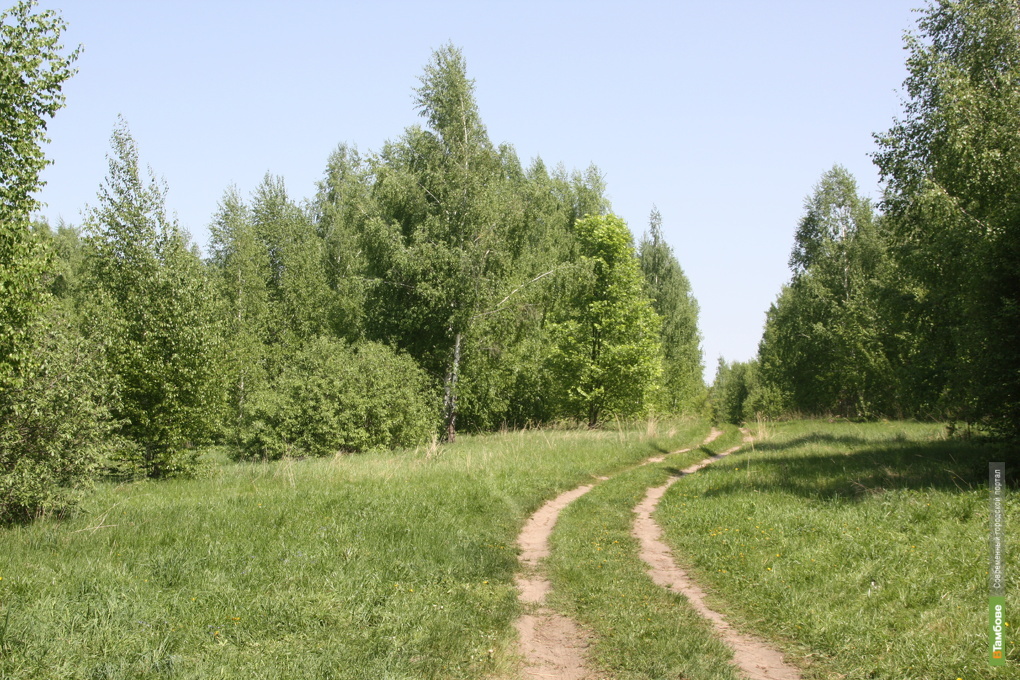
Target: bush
x,y
338,398
55,425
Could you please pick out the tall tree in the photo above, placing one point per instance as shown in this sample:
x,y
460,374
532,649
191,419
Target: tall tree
x,y
606,333
952,172
241,261
345,214
153,316
32,73
54,396
298,282
823,345
439,190
670,291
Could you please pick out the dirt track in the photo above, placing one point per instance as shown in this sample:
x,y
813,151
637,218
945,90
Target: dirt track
x,y
755,658
555,646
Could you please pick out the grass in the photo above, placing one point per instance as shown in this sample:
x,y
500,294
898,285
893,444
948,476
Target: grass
x,y
641,631
862,548
383,566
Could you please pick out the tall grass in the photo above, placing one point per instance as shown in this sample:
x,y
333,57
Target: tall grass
x,y
374,566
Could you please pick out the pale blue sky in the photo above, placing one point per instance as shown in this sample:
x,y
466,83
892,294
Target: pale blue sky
x,y
723,114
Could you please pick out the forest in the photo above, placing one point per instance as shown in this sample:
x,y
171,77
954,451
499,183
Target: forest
x,y
439,285
432,286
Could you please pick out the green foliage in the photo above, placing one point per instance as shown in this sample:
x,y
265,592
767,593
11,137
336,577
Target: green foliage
x,y
53,409
606,334
824,348
344,207
145,299
442,187
952,173
241,281
32,72
683,387
298,284
55,426
336,398
731,390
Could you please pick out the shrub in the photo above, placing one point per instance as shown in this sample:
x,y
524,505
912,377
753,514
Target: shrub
x,y
55,425
339,398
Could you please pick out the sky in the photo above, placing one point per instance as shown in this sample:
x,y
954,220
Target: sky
x,y
723,115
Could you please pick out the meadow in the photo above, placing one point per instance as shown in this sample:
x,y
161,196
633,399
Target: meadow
x,y
386,565
859,549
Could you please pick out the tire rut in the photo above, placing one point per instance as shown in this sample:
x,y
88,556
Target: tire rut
x,y
755,658
553,645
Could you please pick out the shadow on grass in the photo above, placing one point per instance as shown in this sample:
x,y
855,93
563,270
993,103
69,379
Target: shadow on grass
x,y
870,468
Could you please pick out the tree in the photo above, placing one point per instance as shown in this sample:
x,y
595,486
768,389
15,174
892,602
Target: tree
x,y
298,286
240,262
670,292
952,172
731,390
54,396
32,73
607,333
823,346
150,309
345,214
443,256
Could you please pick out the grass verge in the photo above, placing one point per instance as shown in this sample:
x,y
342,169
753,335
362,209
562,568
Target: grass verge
x,y
377,566
863,547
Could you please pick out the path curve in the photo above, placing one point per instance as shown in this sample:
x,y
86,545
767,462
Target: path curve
x,y
553,645
755,658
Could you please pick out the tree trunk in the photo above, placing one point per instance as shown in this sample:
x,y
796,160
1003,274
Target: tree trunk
x,y
450,397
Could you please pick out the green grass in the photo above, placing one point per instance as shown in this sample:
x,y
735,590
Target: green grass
x,y
860,549
375,566
641,630
863,549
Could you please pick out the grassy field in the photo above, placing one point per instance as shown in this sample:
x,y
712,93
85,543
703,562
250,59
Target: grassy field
x,y
376,566
860,549
863,548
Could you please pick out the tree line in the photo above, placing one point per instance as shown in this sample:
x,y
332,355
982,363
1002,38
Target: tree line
x,y
911,307
433,286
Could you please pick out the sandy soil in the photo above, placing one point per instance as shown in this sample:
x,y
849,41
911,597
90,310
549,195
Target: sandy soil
x,y
553,645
